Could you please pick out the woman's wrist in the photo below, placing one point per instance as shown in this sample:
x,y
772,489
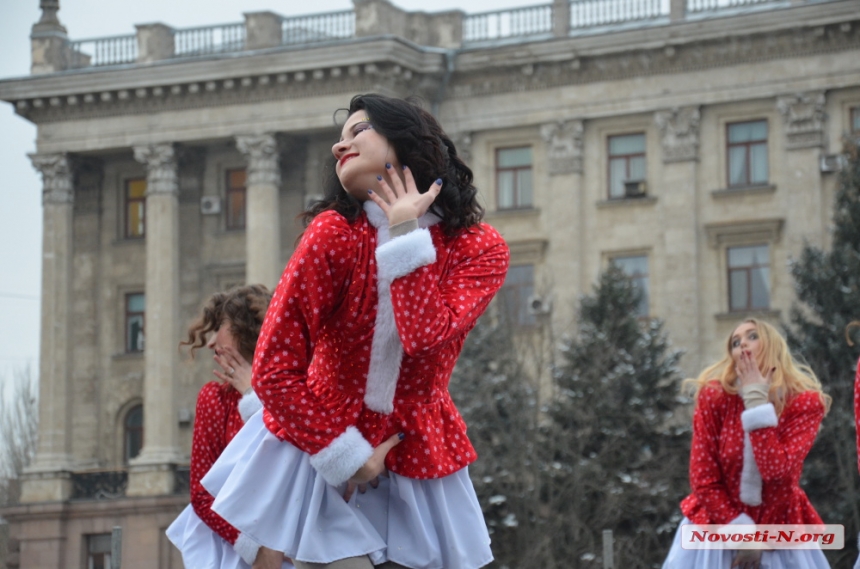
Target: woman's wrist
x,y
402,228
754,394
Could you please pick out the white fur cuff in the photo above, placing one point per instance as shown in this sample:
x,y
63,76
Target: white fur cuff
x,y
246,548
343,457
742,520
404,254
759,417
248,405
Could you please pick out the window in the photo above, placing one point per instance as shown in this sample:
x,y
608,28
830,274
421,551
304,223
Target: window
x,y
133,432
626,165
747,153
515,295
636,267
135,208
236,198
514,178
135,309
855,119
749,277
98,551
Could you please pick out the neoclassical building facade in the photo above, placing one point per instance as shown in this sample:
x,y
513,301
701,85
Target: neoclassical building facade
x,y
693,143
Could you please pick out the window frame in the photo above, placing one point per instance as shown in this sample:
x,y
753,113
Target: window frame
x,y
89,545
626,157
748,270
126,205
516,169
229,190
128,315
524,319
729,145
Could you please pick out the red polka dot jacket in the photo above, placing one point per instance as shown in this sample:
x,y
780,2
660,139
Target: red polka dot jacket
x,y
745,465
362,335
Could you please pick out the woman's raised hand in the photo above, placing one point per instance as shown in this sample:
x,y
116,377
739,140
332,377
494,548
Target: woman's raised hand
x,y
748,371
235,369
400,199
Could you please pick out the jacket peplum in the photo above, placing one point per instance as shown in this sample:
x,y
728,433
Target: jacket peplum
x,y
362,336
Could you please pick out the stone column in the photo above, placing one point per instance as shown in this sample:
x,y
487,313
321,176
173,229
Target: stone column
x,y
262,221
47,478
151,473
678,206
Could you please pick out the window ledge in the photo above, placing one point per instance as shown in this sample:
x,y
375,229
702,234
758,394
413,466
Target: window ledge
x,y
744,191
522,212
738,315
127,356
625,202
130,241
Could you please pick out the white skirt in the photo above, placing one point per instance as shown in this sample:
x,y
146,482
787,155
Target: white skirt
x,y
680,558
267,489
201,547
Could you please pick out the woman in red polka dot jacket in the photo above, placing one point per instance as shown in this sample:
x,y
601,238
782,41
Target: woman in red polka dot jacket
x,y
231,320
757,414
854,325
355,355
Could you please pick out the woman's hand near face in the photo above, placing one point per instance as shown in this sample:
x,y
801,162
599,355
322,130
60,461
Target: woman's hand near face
x,y
400,199
749,373
235,369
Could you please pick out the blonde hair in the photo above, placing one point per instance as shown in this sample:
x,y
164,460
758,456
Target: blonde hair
x,y
790,377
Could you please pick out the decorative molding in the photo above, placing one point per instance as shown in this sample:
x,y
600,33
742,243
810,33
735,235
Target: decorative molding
x,y
564,146
160,162
261,152
804,118
679,133
527,251
57,177
744,232
743,191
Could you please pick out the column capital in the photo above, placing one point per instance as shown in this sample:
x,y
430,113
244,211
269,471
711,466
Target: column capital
x,y
56,170
564,143
679,133
262,153
160,162
804,118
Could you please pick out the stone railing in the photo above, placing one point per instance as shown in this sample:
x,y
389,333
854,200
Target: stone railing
x,y
695,6
114,50
318,27
99,485
515,22
209,39
596,13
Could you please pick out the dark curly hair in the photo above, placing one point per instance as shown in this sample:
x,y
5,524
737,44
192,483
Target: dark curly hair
x,y
420,143
243,306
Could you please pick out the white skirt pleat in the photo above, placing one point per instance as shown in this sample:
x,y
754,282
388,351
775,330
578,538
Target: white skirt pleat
x,y
201,547
680,558
268,490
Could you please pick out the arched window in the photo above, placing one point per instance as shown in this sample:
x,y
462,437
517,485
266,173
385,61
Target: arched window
x,y
133,427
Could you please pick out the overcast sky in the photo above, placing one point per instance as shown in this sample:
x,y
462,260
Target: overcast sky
x,y
20,191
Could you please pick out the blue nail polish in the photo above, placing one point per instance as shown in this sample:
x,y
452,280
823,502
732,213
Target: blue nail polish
x,y
378,177
403,167
401,436
438,181
369,191
387,165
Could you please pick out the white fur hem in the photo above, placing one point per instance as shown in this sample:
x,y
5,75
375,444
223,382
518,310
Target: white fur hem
x,y
750,476
337,462
404,254
759,417
246,548
248,405
742,520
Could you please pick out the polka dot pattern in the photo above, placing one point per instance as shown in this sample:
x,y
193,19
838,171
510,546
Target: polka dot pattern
x,y
216,422
716,460
312,359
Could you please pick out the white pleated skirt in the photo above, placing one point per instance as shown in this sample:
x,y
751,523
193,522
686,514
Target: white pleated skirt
x,y
680,558
201,547
267,489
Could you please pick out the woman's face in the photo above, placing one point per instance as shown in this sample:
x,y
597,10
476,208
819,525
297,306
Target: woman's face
x,y
361,155
745,338
222,338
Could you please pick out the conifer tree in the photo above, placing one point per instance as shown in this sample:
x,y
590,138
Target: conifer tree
x,y
827,284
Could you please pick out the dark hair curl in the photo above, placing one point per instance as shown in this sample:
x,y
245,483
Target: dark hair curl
x,y
420,143
243,306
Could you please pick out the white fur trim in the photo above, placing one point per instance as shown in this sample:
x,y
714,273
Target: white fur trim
x,y
343,457
404,254
750,476
248,405
759,417
742,520
246,548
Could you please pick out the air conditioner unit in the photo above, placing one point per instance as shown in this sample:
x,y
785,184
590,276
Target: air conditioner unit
x,y
634,188
831,162
539,306
210,205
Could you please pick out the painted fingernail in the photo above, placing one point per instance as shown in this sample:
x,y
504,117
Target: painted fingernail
x,y
378,177
403,167
369,191
401,436
438,181
387,165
